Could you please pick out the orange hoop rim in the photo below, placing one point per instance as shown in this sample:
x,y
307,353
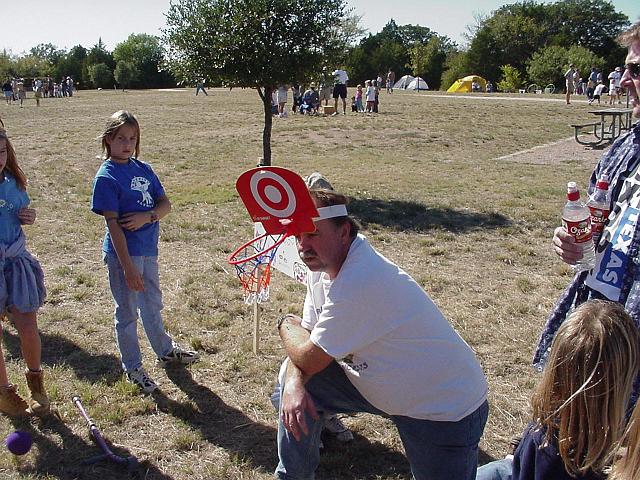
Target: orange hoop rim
x,y
237,261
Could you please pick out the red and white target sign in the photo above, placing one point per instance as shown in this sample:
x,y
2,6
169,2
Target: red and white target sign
x,y
279,199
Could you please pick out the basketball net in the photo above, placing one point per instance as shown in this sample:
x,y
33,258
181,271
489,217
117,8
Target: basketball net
x,y
252,262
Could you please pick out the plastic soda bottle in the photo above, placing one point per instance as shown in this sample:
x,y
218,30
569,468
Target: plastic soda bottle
x,y
599,206
576,220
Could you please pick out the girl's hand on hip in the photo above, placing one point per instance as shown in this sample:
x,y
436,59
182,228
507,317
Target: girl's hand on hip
x,y
27,216
134,220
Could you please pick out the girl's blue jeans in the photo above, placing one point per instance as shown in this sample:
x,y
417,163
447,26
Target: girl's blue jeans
x,y
129,303
435,450
497,470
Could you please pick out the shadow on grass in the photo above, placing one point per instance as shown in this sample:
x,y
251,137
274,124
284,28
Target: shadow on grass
x,y
59,350
404,215
231,429
219,423
61,453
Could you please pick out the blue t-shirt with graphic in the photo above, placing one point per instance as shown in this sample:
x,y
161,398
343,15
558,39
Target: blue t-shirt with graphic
x,y
125,188
12,199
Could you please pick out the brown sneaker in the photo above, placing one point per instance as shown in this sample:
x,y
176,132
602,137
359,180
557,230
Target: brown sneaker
x,y
38,401
11,403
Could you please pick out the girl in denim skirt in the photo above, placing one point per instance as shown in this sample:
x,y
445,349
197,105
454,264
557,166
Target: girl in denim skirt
x,y
22,290
130,197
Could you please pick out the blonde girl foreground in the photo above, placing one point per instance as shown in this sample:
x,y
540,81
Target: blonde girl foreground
x,y
132,200
22,290
579,405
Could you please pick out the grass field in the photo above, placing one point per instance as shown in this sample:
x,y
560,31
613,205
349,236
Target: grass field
x,y
427,185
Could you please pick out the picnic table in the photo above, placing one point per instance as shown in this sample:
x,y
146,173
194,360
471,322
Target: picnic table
x,y
613,121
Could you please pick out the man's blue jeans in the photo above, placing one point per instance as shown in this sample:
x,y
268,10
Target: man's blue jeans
x,y
435,450
128,302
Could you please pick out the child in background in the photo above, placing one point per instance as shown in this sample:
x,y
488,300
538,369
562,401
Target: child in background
x,y
281,96
359,106
597,93
579,404
297,97
132,200
376,102
22,290
354,105
370,94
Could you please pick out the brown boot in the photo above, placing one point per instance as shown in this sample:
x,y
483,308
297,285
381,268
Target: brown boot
x,y
38,400
11,403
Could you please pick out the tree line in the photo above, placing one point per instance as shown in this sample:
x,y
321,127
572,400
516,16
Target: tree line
x,y
520,43
134,63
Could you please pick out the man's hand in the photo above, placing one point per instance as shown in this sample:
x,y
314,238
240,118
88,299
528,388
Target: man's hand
x,y
134,220
565,246
27,216
133,278
295,402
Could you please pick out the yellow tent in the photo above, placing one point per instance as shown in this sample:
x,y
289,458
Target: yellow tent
x,y
464,84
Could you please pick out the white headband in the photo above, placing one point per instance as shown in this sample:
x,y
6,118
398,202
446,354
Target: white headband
x,y
332,211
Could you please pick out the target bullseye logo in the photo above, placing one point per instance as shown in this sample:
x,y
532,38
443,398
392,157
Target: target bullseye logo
x,y
272,192
279,199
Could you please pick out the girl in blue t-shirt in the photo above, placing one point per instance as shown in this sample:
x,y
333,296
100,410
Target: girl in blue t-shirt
x,y
22,290
580,403
130,197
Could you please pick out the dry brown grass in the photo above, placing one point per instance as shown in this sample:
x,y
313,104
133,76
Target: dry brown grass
x,y
430,191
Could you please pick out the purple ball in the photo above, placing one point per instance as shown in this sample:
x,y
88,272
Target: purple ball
x,y
19,442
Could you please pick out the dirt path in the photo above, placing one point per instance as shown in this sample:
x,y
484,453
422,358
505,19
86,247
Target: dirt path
x,y
557,152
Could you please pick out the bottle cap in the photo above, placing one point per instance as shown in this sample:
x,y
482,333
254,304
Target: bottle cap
x,y
572,191
603,182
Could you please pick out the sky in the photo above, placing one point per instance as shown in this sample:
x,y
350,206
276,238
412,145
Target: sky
x,y
82,22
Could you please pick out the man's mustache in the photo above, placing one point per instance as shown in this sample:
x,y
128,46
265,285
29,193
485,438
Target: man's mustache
x,y
306,254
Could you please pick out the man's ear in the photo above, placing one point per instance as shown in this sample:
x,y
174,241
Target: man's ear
x,y
345,232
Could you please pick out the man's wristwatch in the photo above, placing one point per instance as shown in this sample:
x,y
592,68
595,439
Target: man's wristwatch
x,y
153,216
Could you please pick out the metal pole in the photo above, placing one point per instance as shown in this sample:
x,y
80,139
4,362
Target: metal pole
x,y
256,304
256,318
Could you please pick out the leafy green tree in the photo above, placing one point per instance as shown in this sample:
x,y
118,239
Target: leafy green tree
x,y
101,75
125,74
428,60
511,34
508,37
511,80
7,65
29,66
549,64
592,24
456,66
47,51
145,54
390,49
100,54
252,43
346,31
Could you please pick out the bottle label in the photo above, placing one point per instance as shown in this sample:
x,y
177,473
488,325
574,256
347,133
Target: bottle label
x,y
599,217
580,230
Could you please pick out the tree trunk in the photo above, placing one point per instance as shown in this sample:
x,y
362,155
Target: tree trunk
x,y
268,121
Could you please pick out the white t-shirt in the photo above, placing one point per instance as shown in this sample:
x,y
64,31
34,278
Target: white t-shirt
x,y
598,90
340,77
371,94
612,251
391,340
614,78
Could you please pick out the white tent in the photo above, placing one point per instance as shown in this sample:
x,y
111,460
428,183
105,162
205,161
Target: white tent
x,y
403,82
418,84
